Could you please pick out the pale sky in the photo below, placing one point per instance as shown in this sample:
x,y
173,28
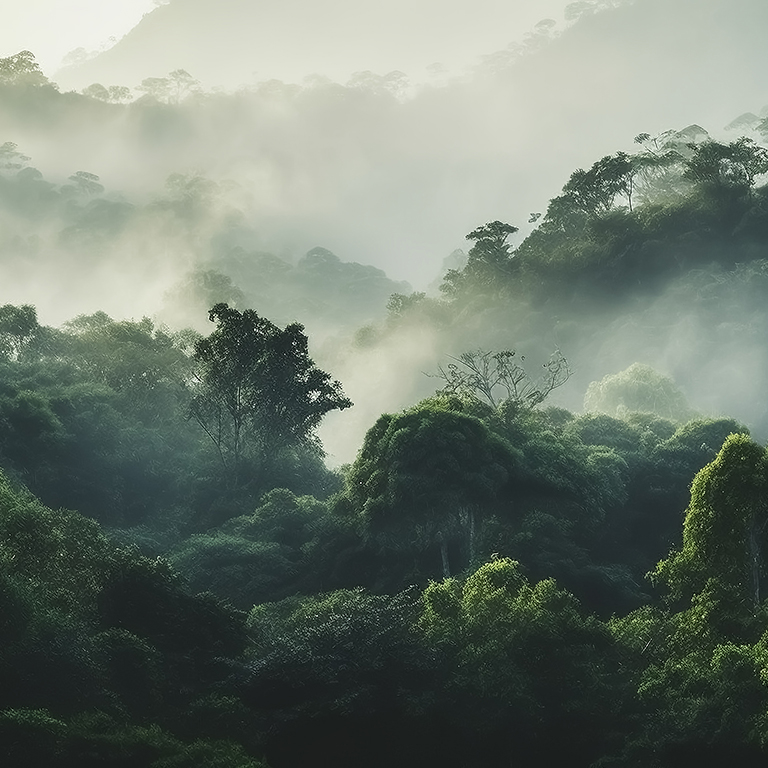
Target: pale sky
x,y
52,28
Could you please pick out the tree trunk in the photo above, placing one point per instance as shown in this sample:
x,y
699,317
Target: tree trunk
x,y
754,562
467,520
471,535
444,555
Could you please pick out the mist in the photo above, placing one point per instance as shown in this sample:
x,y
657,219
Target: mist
x,y
219,189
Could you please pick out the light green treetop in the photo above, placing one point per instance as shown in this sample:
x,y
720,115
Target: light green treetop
x,y
725,534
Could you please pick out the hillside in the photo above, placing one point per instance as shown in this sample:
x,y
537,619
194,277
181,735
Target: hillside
x,y
234,42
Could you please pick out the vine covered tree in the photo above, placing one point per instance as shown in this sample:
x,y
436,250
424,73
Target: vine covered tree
x,y
725,535
427,477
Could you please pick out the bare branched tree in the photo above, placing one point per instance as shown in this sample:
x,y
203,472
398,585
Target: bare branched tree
x,y
496,377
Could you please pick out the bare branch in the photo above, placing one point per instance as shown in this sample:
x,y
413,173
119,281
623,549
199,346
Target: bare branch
x,y
497,377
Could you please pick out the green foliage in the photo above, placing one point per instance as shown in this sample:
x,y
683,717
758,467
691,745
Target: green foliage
x,y
278,550
628,223
522,654
320,287
173,89
341,653
257,391
599,429
489,262
637,389
128,356
700,697
18,329
204,288
35,738
107,659
10,157
92,415
87,625
61,555
594,191
428,476
357,629
31,736
723,168
724,532
21,69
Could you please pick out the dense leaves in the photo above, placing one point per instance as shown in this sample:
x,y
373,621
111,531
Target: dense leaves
x,y
256,391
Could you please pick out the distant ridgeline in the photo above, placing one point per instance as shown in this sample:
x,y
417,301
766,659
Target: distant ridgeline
x,y
631,223
80,235
659,256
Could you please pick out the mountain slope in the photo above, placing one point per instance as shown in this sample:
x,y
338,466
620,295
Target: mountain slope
x,y
231,42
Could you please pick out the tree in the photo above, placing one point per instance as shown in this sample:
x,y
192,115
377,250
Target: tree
x,y
96,91
494,378
22,69
115,94
171,89
181,84
261,557
726,169
119,93
425,477
86,183
659,162
10,157
523,662
18,328
489,261
199,290
337,674
637,389
189,196
395,82
595,190
725,534
256,391
158,88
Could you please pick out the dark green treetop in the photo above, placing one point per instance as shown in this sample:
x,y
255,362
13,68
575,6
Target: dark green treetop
x,y
256,389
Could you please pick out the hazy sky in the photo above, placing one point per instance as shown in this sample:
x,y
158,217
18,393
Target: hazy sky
x,y
52,28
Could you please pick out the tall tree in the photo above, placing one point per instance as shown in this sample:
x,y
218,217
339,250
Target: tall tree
x,y
725,170
595,190
725,535
425,478
489,261
256,389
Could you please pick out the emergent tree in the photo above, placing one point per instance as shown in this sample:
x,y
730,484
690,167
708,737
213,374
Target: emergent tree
x,y
257,391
